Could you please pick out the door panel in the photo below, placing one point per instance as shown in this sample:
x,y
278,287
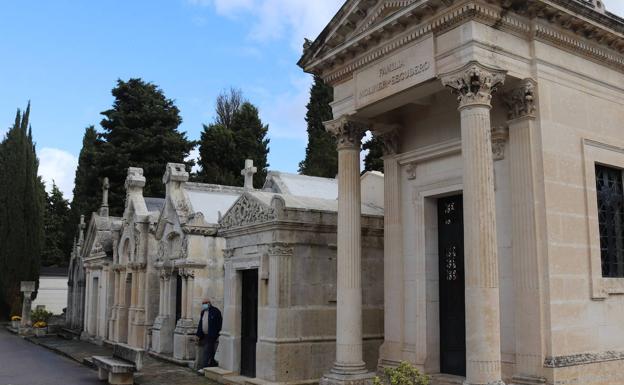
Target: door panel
x,y
249,322
452,286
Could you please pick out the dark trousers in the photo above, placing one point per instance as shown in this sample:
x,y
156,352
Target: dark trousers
x,y
209,349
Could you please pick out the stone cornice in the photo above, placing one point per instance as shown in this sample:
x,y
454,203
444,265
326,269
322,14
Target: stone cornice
x,y
553,22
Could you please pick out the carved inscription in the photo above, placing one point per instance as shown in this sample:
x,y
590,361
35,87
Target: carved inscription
x,y
402,70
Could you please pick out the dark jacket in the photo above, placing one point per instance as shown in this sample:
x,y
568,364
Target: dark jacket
x,y
214,323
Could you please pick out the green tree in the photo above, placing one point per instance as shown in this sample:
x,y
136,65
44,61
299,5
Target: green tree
x,y
237,134
251,141
140,130
87,184
321,156
56,224
22,198
373,160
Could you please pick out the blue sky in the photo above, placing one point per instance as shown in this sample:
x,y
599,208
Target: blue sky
x,y
65,56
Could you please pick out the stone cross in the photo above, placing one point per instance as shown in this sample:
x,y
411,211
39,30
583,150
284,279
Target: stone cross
x,y
81,228
248,172
27,288
104,207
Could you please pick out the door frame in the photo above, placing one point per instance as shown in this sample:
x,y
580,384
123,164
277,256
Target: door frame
x,y
422,345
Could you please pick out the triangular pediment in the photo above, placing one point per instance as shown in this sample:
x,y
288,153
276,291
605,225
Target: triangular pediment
x,y
383,10
354,19
247,210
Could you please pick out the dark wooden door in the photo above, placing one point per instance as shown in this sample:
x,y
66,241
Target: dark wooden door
x,y
249,322
452,299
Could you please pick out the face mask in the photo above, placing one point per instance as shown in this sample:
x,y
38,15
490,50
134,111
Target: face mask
x,y
205,306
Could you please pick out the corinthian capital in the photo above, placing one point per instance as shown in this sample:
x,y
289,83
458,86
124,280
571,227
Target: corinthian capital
x,y
389,135
474,83
521,100
347,131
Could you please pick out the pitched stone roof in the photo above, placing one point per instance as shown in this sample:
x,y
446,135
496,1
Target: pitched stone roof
x,y
210,200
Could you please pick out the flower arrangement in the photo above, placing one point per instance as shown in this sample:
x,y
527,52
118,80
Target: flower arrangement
x,y
16,318
404,374
40,315
40,325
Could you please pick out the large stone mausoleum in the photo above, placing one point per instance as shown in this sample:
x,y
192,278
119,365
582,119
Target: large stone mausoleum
x,y
503,124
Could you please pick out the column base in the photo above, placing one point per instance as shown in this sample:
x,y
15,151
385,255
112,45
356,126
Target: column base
x,y
332,378
527,380
497,382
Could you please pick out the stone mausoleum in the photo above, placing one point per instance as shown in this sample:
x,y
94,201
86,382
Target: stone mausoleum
x,y
503,125
279,324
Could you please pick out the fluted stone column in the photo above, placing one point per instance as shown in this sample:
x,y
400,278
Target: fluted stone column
x,y
524,226
474,84
349,365
391,352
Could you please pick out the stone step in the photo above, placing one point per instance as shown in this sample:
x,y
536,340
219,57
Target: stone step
x,y
446,379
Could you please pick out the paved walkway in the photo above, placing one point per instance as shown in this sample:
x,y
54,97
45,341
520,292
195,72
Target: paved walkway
x,y
154,372
22,363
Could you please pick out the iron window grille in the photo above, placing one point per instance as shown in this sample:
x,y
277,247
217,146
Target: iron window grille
x,y
610,194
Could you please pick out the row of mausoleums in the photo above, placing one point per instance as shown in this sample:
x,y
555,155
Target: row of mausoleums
x,y
265,257
503,219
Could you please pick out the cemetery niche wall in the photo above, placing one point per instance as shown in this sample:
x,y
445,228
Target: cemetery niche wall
x,y
502,123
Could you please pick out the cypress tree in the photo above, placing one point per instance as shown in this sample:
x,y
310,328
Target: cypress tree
x,y
140,130
87,185
373,160
225,144
22,197
56,224
321,155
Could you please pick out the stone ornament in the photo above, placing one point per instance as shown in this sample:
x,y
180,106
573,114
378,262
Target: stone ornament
x,y
245,212
281,249
582,359
389,135
474,83
347,131
521,101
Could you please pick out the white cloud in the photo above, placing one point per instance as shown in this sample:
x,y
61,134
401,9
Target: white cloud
x,y
275,19
285,113
58,166
194,155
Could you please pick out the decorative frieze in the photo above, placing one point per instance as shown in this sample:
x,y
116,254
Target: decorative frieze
x,y
247,211
348,132
474,83
281,249
582,359
521,101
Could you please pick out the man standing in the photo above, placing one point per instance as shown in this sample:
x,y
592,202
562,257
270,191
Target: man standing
x,y
208,331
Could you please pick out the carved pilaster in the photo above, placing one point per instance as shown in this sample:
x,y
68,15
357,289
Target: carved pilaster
x,y
500,136
521,101
280,274
474,83
348,132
